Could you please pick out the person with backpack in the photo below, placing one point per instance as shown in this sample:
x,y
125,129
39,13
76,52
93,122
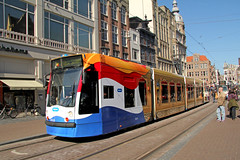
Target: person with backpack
x,y
232,104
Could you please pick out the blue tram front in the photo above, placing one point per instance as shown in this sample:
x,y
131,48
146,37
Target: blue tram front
x,y
92,94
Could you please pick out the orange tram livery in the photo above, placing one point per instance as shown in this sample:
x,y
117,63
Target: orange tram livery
x,y
93,94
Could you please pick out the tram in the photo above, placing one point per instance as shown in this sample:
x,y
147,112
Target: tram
x,y
92,94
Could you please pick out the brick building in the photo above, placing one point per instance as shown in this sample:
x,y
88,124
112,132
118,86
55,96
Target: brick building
x,y
198,66
113,25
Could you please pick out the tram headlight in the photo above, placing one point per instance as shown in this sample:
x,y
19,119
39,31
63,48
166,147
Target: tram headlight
x,y
70,114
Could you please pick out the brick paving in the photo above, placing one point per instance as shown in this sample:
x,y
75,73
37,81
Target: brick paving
x,y
19,128
216,141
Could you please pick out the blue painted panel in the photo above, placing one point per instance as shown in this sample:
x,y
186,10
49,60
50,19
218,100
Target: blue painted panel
x,y
115,119
109,119
89,126
84,130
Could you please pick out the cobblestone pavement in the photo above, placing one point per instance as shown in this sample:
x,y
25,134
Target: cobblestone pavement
x,y
21,127
217,141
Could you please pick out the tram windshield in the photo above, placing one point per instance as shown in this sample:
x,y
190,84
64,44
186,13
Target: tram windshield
x,y
64,82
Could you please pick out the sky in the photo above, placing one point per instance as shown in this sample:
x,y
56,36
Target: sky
x,y
212,28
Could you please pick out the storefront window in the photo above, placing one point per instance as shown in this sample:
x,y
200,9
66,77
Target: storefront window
x,y
17,16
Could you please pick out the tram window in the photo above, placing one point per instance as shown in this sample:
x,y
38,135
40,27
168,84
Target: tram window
x,y
172,92
197,92
192,92
201,91
179,93
108,92
164,92
89,94
158,92
189,92
129,97
143,93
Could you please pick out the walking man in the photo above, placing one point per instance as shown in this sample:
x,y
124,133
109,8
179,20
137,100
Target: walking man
x,y
221,105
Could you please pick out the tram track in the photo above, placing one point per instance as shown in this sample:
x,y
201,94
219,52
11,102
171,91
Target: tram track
x,y
90,150
154,151
151,151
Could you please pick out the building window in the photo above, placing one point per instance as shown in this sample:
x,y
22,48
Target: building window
x,y
83,7
105,51
114,34
104,27
124,38
125,56
82,35
123,15
17,16
115,53
134,54
108,92
114,10
61,3
129,97
55,28
197,74
205,65
103,6
196,66
134,38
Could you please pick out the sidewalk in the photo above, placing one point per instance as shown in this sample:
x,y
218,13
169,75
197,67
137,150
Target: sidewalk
x,y
20,128
216,141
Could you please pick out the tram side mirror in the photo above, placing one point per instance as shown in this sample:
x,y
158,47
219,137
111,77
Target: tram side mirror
x,y
45,80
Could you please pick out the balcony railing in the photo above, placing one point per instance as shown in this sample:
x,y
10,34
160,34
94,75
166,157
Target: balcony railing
x,y
54,44
24,38
15,36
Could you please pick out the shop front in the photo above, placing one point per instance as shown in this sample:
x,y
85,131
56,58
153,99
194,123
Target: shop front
x,y
22,93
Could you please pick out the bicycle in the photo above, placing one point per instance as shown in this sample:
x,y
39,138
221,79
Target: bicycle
x,y
8,111
35,110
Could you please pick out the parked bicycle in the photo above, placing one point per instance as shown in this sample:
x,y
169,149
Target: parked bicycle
x,y
34,110
8,111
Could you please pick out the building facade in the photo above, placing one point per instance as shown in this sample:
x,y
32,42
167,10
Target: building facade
x,y
230,74
179,43
169,30
147,41
113,24
146,8
32,32
198,66
135,45
166,31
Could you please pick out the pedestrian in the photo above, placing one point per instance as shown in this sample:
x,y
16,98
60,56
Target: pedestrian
x,y
221,105
232,104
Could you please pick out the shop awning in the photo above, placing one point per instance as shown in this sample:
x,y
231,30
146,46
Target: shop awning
x,y
22,84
